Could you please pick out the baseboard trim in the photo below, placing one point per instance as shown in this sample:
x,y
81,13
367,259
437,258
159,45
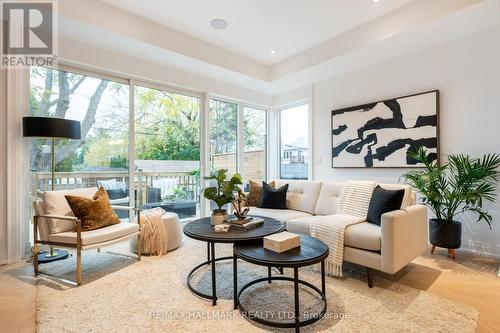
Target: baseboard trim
x,y
474,251
480,253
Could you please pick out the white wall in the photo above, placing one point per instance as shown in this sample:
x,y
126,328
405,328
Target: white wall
x,y
466,71
114,63
3,166
292,97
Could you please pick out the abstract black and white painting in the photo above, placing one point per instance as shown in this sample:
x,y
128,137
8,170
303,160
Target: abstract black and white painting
x,y
380,134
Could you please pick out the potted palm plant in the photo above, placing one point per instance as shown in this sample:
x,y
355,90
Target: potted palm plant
x,y
222,194
459,186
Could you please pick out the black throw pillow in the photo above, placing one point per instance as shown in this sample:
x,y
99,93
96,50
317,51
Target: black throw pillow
x,y
273,198
383,201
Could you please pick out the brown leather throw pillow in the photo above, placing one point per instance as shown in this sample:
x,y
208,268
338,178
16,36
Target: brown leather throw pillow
x,y
254,195
94,213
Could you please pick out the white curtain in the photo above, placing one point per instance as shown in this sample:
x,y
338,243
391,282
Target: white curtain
x,y
3,166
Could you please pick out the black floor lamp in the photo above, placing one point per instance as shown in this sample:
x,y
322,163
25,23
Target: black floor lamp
x,y
54,128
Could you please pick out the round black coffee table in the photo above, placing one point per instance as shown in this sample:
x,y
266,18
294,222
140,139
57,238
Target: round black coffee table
x,y
202,230
311,251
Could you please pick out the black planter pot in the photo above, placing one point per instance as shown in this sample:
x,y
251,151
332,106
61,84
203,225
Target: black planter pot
x,y
445,234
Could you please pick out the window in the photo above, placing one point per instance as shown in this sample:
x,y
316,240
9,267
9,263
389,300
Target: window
x,y
166,140
254,137
167,149
294,138
101,157
223,136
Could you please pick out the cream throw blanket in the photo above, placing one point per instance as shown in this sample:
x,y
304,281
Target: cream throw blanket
x,y
153,233
353,209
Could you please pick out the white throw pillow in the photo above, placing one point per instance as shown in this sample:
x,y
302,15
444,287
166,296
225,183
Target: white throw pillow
x,y
55,204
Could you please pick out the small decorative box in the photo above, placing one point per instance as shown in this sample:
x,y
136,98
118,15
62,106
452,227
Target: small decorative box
x,y
282,241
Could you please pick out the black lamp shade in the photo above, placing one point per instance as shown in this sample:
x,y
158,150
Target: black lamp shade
x,y
45,127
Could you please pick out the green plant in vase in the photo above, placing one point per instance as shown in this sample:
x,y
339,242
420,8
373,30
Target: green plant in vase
x,y
459,186
222,194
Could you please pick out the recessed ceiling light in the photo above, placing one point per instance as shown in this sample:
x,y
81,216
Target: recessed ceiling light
x,y
375,1
219,24
273,51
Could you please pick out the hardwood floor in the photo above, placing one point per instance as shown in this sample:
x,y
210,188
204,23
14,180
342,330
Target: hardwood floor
x,y
17,298
469,279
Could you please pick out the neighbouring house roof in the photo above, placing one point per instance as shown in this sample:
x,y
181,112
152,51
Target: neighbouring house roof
x,y
300,143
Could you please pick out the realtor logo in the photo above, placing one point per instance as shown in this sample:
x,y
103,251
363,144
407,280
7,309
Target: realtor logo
x,y
28,33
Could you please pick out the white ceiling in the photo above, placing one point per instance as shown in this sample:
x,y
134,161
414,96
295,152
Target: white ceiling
x,y
257,26
313,46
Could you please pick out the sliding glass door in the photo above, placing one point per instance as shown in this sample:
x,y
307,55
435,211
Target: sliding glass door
x,y
101,157
167,150
166,140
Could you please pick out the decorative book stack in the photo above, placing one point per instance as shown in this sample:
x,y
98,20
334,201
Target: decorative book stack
x,y
282,241
248,223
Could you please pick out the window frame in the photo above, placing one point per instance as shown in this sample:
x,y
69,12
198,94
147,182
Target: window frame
x,y
132,113
266,142
309,135
238,131
240,140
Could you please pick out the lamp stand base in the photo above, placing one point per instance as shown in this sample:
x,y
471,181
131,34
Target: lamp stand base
x,y
44,258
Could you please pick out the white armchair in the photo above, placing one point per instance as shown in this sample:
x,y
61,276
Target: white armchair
x,y
55,225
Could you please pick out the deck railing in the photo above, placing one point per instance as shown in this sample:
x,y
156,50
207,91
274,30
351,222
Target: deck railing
x,y
71,180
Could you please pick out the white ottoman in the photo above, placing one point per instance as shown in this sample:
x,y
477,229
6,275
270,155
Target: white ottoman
x,y
174,231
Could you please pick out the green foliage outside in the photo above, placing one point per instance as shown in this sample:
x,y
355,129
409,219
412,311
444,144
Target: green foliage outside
x,y
167,126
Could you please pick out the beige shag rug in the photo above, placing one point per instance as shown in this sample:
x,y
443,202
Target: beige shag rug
x,y
120,294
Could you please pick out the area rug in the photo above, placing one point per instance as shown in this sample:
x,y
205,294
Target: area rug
x,y
119,294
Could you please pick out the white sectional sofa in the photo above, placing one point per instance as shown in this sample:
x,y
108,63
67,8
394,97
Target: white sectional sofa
x,y
400,238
